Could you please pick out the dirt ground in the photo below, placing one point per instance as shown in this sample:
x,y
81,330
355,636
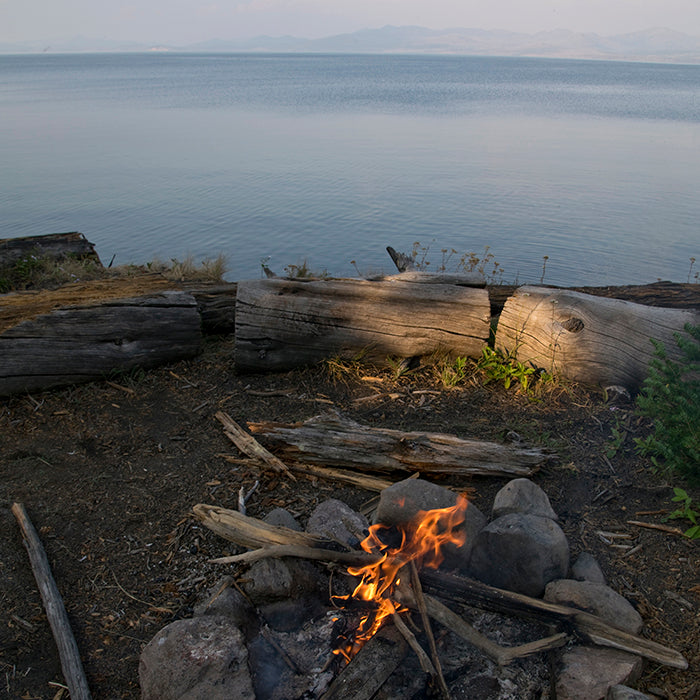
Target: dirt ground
x,y
109,472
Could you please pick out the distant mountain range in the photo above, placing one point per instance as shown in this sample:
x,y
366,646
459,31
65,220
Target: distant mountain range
x,y
662,45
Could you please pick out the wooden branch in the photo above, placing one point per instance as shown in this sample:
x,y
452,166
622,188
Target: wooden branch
x,y
653,526
587,626
300,551
250,446
337,441
251,532
55,610
363,481
425,663
418,596
370,667
497,653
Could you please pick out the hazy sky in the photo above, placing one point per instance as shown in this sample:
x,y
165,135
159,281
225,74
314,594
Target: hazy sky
x,y
184,21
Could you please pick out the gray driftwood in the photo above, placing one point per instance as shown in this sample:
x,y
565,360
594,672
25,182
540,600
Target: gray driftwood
x,y
282,324
332,440
54,245
68,653
589,339
86,342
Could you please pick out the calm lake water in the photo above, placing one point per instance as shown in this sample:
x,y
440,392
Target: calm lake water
x,y
331,158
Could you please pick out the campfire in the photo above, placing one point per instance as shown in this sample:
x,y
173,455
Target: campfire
x,y
421,543
435,615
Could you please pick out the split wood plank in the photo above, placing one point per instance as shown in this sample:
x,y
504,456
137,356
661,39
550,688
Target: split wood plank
x,y
588,339
55,609
363,481
282,324
337,441
250,446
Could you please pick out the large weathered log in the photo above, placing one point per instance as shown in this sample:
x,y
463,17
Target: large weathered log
x,y
333,440
588,339
68,653
282,324
88,341
217,307
53,245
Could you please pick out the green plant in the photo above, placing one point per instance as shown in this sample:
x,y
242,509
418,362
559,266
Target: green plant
x,y
500,367
617,438
686,512
453,372
401,366
670,397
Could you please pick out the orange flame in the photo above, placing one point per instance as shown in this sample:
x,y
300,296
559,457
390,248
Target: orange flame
x,y
422,539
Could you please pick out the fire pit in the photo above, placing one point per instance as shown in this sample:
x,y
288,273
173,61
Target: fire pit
x,y
400,616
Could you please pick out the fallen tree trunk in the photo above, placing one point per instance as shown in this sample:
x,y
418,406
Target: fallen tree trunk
x,y
281,324
588,339
54,246
89,341
332,440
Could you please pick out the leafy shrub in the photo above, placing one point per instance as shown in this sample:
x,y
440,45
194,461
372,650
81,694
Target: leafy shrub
x,y
670,396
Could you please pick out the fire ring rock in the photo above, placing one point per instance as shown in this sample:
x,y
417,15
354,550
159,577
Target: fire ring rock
x,y
520,552
203,658
522,496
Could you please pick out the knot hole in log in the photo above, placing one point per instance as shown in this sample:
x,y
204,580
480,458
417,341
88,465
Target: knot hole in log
x,y
573,325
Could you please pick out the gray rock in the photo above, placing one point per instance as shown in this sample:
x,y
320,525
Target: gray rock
x,y
337,521
270,580
598,599
586,673
227,601
622,692
522,496
204,658
520,552
399,503
282,518
586,568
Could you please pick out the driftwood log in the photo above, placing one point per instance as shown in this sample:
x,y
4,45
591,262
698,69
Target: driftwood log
x,y
54,246
337,441
88,341
68,653
592,340
281,324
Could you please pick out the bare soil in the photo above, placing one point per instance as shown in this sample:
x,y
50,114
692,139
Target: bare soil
x,y
109,472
